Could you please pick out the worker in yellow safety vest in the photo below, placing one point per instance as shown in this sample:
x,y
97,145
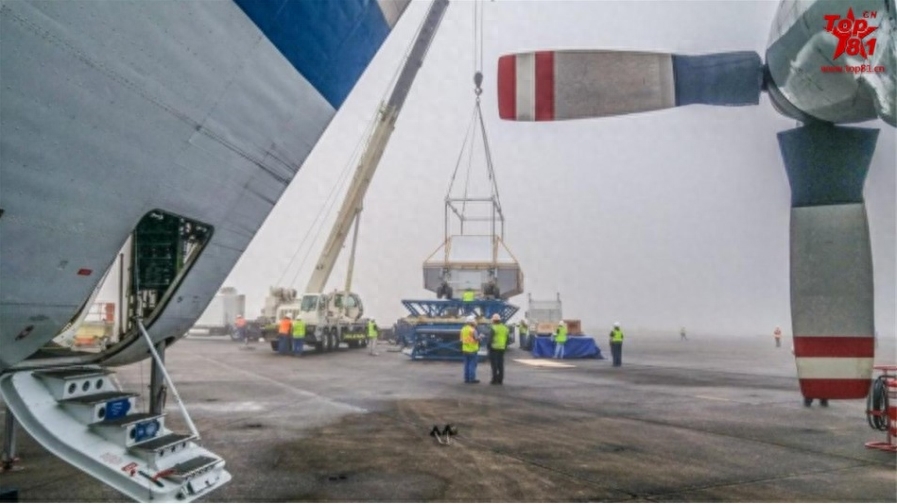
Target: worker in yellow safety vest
x,y
468,297
523,333
497,346
372,336
284,328
298,336
470,345
560,340
616,344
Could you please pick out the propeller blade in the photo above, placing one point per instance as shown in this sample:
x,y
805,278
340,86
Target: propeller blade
x,y
832,302
558,85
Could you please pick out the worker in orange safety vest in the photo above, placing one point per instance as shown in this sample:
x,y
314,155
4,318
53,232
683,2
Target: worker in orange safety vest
x,y
240,328
284,334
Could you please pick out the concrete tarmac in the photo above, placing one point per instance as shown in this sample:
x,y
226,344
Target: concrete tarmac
x,y
708,419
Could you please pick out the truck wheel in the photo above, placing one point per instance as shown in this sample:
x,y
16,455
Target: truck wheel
x,y
334,341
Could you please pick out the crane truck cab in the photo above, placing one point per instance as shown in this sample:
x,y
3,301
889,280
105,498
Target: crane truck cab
x,y
330,319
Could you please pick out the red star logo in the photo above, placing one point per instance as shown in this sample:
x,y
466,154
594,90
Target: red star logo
x,y
852,30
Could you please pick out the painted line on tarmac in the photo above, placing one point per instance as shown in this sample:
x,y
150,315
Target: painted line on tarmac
x,y
543,363
294,390
714,398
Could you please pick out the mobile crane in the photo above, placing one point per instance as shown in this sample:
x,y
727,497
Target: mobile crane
x,y
336,317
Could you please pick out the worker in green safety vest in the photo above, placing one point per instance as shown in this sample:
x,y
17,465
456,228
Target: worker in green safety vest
x,y
560,340
470,345
616,344
373,333
468,297
298,336
522,333
497,345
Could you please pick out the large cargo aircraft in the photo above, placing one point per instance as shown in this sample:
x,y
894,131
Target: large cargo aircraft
x,y
156,136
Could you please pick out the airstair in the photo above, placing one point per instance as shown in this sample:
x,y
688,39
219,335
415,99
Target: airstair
x,y
81,415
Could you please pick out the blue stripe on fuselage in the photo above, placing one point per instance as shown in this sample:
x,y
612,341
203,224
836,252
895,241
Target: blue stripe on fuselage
x,y
329,42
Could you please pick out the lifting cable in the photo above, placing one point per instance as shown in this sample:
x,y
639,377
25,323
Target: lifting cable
x,y
315,223
326,209
318,223
476,121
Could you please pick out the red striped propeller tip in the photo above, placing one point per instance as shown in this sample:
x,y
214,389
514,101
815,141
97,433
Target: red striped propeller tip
x,y
834,367
577,84
526,86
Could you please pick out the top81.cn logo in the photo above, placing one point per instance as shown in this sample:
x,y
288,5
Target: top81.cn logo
x,y
851,32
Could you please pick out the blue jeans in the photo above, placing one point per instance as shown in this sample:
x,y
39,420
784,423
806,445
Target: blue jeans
x,y
559,350
470,367
298,343
283,344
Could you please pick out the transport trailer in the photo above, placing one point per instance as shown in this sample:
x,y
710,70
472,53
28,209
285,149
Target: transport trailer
x,y
432,330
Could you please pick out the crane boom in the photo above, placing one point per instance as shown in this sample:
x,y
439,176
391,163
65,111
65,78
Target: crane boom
x,y
367,165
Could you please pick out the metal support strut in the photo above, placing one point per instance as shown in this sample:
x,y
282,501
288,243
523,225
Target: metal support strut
x,y
9,443
158,392
161,366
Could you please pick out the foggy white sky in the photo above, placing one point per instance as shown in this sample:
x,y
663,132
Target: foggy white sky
x,y
657,220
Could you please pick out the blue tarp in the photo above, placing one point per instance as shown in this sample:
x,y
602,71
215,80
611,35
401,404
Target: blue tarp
x,y
576,347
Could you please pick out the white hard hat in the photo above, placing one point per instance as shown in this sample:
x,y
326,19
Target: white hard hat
x,y
616,324
471,319
561,323
496,317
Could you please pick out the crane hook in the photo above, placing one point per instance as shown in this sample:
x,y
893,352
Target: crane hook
x,y
478,80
